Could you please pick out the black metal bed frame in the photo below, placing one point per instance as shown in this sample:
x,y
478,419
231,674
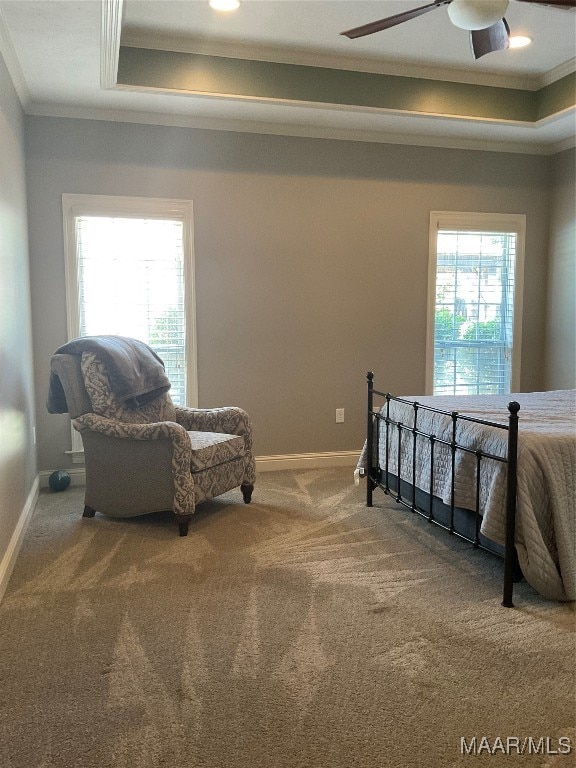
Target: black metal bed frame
x,y
380,478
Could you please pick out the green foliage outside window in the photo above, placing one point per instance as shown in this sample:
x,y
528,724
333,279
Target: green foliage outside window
x,y
447,325
475,366
484,331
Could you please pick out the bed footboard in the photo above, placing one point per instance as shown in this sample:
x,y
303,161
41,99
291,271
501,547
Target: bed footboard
x,y
380,473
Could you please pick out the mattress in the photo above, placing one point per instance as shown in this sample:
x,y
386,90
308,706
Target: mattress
x,y
546,498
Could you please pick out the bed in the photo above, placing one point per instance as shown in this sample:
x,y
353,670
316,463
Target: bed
x,y
496,470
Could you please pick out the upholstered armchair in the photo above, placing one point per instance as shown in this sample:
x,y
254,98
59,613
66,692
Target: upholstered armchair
x,y
155,457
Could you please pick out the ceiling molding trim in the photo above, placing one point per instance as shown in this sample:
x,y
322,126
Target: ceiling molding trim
x,y
556,99
8,53
110,34
328,106
562,145
305,57
547,119
285,129
568,68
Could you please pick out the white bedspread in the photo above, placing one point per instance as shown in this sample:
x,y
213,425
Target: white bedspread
x,y
546,508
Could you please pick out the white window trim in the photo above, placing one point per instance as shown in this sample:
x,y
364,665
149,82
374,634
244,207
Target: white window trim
x,y
477,222
137,207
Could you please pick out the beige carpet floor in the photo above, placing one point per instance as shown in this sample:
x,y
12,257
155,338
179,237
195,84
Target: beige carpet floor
x,y
304,630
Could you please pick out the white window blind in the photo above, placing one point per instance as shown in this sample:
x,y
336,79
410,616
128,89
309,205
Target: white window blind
x,y
131,283
476,306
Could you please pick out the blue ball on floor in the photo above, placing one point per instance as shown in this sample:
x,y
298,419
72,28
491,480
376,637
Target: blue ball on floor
x,y
59,480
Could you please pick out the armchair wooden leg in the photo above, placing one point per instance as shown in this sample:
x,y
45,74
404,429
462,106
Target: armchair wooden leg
x,y
88,512
183,523
247,493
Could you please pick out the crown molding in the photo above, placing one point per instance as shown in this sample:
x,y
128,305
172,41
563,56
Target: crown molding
x,y
567,68
8,53
286,129
562,145
281,55
110,34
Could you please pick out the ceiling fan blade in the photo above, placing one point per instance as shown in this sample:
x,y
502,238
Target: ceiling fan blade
x,y
494,38
392,21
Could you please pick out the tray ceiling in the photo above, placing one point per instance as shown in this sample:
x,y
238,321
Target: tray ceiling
x,y
281,66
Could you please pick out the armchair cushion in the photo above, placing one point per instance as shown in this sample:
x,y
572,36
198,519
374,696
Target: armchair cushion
x,y
105,403
212,448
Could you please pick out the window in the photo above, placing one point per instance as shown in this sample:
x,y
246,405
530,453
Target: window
x,y
129,271
475,303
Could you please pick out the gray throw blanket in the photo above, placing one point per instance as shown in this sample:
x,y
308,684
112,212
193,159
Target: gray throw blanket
x,y
136,372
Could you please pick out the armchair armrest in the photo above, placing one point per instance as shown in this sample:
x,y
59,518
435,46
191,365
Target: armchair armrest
x,y
230,421
161,430
157,430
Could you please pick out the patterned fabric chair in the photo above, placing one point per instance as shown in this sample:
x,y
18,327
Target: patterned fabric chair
x,y
154,458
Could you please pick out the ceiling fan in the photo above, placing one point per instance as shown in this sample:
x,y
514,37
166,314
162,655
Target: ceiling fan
x,y
489,30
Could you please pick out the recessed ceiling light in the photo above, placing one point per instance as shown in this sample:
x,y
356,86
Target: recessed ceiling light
x,y
224,5
520,41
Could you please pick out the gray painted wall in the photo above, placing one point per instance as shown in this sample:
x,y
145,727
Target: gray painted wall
x,y
561,328
17,450
311,261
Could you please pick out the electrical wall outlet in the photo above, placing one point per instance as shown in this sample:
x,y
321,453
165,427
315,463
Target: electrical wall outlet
x,y
339,415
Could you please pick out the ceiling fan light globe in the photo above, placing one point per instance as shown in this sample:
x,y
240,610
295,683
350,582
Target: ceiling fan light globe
x,y
476,14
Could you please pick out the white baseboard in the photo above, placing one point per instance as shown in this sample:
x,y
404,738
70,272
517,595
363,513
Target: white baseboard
x,y
263,464
9,559
307,460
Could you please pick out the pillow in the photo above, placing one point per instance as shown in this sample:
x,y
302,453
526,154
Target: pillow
x,y
105,403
